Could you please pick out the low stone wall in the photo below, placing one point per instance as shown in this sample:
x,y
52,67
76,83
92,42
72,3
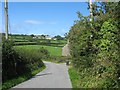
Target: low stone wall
x,y
65,50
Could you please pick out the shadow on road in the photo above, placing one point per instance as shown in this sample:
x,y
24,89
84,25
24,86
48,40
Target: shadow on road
x,y
42,74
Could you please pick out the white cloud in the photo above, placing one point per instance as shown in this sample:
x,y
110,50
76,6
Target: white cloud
x,y
40,22
34,22
53,23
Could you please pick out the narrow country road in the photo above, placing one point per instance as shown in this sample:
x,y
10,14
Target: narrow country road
x,y
54,76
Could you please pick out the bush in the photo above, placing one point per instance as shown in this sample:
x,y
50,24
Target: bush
x,y
80,38
44,53
9,58
108,56
96,54
19,62
32,58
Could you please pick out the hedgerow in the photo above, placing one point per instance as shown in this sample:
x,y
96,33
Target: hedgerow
x,y
16,62
95,48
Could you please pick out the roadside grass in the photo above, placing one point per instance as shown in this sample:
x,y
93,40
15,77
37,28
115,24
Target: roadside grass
x,y
54,51
87,80
11,83
74,77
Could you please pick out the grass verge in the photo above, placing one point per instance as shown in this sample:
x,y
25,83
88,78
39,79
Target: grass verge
x,y
13,82
74,77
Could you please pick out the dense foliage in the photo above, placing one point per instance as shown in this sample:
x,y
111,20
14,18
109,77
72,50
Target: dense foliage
x,y
95,47
20,61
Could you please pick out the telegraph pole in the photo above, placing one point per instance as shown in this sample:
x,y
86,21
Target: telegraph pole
x,y
91,10
6,18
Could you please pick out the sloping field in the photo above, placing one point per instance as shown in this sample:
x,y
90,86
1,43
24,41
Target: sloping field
x,y
54,51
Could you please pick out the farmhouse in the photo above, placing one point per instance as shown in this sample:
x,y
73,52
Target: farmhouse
x,y
48,37
43,37
54,38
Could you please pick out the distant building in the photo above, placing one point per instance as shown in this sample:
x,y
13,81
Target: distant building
x,y
42,37
48,37
34,37
54,38
39,37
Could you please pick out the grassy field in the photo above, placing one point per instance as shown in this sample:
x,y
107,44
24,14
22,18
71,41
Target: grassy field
x,y
54,51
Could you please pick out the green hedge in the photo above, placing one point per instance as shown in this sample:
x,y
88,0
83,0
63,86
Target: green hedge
x,y
16,62
96,53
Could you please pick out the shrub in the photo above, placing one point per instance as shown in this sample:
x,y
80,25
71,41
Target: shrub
x,y
19,62
81,45
32,59
96,54
108,56
44,53
9,57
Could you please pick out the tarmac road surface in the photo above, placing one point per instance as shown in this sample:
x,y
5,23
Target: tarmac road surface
x,y
54,76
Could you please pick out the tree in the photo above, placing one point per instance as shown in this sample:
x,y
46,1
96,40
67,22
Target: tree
x,y
58,37
66,35
32,35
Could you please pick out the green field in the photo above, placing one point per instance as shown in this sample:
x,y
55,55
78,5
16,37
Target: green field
x,y
54,51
